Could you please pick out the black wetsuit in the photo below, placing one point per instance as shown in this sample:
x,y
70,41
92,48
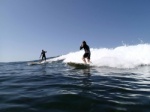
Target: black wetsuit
x,y
43,55
87,51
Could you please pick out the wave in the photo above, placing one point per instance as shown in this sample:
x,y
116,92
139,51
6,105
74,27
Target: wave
x,y
124,56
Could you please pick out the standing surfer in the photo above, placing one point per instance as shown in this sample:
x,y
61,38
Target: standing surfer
x,y
87,52
43,55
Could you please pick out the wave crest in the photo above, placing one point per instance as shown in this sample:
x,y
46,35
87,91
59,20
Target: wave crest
x,y
120,57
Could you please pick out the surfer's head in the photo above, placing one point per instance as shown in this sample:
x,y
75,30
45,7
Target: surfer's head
x,y
84,42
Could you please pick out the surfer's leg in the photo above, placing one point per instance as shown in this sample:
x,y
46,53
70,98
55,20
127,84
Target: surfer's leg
x,y
88,58
84,60
84,56
45,58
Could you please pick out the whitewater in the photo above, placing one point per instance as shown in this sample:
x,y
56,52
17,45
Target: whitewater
x,y
126,56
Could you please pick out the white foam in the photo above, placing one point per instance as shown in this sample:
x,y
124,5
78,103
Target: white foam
x,y
119,57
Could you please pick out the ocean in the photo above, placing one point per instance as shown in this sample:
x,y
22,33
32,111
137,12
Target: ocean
x,y
117,81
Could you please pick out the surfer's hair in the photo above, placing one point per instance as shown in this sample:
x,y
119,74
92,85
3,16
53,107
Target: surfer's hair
x,y
84,42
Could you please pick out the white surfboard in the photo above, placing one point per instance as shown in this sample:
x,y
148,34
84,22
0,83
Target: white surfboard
x,y
36,63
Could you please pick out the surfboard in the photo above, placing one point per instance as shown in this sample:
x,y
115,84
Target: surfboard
x,y
36,63
78,65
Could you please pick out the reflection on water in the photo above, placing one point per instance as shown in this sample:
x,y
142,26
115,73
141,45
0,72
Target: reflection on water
x,y
43,69
86,72
87,79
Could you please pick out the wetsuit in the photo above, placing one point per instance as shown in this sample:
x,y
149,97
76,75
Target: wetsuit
x,y
43,55
87,51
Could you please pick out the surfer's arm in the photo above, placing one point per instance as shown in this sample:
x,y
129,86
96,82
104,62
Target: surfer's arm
x,y
40,55
81,47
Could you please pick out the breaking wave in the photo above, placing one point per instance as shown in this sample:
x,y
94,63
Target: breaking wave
x,y
120,57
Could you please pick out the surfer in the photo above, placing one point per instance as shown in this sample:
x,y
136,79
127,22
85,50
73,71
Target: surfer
x,y
87,52
43,55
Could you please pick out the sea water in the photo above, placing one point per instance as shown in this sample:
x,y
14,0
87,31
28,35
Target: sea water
x,y
118,81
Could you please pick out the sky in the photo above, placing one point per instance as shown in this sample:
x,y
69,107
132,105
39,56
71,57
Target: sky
x,y
60,26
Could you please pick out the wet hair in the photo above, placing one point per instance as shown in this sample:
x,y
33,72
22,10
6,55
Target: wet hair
x,y
84,42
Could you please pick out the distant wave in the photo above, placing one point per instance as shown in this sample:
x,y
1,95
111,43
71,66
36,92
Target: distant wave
x,y
120,57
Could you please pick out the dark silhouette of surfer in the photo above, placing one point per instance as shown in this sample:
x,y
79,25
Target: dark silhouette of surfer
x,y
43,55
87,53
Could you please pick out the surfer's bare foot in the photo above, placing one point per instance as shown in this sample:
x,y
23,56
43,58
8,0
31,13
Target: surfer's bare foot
x,y
90,62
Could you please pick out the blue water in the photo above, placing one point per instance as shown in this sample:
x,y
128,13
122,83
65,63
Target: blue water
x,y
56,87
